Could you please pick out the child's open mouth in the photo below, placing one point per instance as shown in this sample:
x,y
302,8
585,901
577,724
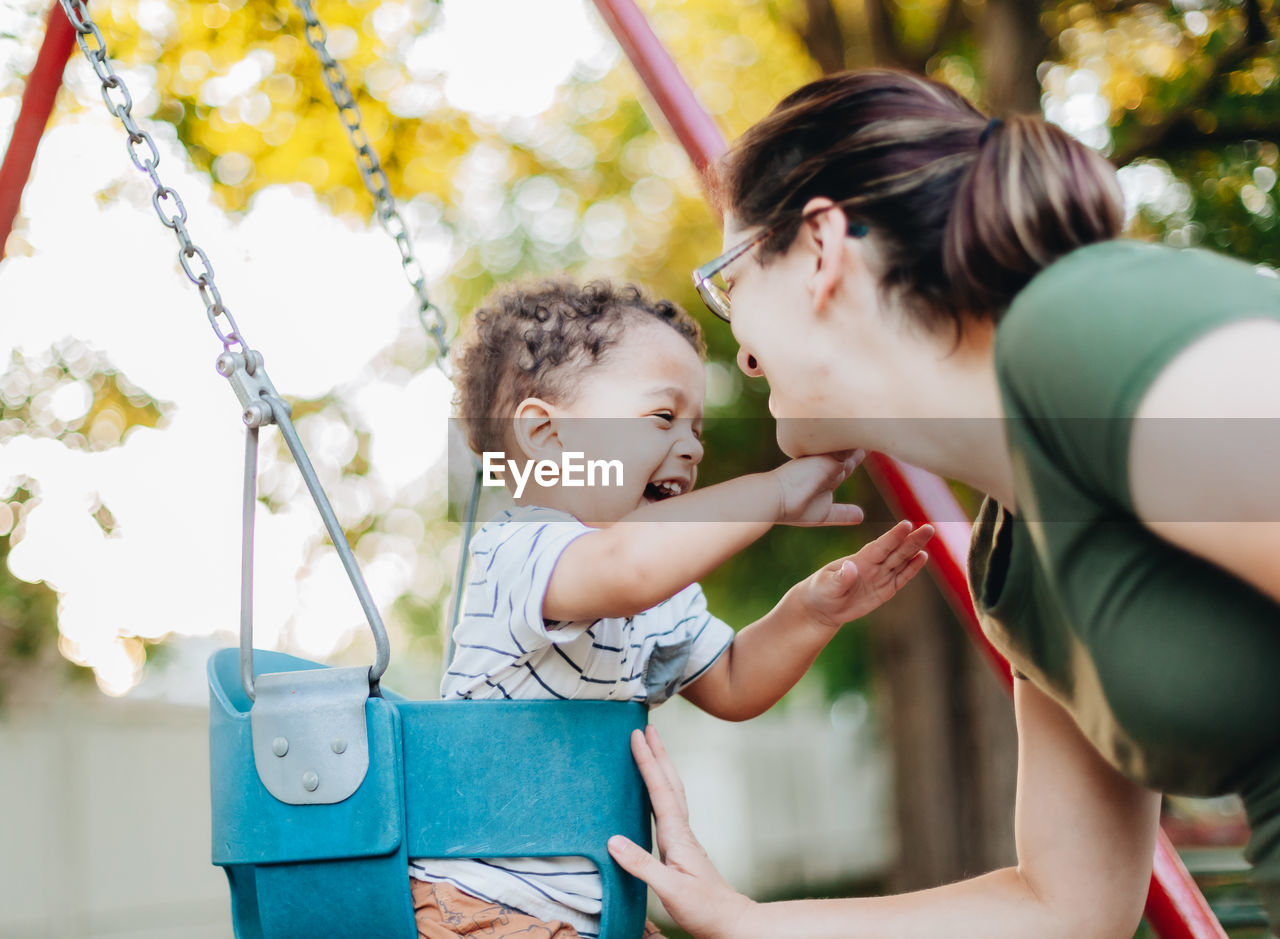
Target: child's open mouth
x,y
664,489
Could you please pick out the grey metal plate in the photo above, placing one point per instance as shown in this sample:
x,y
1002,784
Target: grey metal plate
x,y
310,741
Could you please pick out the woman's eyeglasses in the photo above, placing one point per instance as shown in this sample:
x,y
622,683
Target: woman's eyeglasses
x,y
708,281
711,285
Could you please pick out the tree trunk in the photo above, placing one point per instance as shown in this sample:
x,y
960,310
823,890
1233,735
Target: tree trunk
x,y
823,35
1013,46
953,743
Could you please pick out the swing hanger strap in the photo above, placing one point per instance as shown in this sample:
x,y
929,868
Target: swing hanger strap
x,y
146,157
262,406
374,177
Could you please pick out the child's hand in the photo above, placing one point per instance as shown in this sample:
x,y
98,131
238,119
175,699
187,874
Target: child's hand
x,y
851,587
807,484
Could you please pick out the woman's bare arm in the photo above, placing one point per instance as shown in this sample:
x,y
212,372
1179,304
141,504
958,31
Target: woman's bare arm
x,y
1085,840
1204,453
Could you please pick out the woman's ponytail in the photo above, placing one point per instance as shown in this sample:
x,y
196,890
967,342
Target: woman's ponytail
x,y
1032,195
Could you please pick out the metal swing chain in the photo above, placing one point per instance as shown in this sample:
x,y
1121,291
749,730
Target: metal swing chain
x,y
243,369
199,270
379,187
195,263
375,179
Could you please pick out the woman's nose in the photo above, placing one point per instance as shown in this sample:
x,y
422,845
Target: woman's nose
x,y
747,362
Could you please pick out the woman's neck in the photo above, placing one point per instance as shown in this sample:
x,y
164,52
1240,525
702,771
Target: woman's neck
x,y
954,419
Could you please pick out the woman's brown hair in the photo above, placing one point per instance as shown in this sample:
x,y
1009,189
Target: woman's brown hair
x,y
964,211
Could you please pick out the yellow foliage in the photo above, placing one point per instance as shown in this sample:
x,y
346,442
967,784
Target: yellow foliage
x,y
250,102
248,98
739,58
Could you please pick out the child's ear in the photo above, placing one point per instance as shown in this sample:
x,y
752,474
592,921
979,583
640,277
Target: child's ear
x,y
535,431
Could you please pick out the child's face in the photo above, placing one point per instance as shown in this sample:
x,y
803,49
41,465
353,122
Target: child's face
x,y
641,406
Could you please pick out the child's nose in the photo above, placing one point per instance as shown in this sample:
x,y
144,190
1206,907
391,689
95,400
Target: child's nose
x,y
690,447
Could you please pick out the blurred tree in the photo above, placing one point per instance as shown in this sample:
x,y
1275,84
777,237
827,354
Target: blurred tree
x,y
1182,96
28,624
76,397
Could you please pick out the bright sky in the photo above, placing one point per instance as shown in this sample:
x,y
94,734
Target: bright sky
x,y
317,298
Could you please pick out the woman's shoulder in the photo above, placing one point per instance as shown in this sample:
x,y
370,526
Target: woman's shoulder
x,y
1091,329
1111,273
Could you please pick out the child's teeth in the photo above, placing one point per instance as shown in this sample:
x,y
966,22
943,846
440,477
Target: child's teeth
x,y
669,488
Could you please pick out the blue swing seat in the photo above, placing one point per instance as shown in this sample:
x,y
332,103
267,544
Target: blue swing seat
x,y
445,779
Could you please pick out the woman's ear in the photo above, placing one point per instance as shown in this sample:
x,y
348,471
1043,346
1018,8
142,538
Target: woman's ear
x,y
534,430
824,230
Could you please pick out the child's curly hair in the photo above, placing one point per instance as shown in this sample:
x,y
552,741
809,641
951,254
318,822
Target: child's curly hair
x,y
534,339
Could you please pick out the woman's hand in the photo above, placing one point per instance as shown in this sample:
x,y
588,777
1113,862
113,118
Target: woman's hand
x,y
685,880
806,485
853,586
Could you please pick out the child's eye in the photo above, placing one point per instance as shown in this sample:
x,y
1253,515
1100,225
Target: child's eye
x,y
667,416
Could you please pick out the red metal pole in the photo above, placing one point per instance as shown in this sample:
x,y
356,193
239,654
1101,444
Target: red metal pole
x,y
37,104
693,126
1176,909
922,497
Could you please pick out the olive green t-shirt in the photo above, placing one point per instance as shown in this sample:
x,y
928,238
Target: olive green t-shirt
x,y
1169,665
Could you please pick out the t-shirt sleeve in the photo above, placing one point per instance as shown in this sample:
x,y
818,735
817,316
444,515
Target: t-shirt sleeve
x,y
1082,344
692,646
517,568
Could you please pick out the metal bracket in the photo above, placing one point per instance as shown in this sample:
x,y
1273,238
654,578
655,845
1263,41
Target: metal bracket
x,y
250,382
310,740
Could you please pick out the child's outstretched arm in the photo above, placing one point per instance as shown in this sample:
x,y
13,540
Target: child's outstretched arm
x,y
656,551
768,657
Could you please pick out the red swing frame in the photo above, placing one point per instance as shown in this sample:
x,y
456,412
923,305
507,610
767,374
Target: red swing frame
x,y
1176,909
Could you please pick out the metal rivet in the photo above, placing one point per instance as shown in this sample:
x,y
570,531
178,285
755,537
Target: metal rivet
x,y
257,414
339,745
310,781
279,746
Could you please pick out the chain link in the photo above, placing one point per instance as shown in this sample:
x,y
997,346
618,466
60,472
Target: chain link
x,y
120,103
375,179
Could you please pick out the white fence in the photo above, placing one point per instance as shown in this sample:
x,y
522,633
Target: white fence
x,y
105,831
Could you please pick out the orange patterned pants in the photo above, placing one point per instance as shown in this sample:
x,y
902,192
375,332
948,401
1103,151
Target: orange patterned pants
x,y
444,912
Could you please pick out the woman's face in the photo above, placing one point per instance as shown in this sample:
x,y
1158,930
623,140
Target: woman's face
x,y
800,320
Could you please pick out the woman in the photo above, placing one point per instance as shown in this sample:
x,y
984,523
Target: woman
x,y
952,291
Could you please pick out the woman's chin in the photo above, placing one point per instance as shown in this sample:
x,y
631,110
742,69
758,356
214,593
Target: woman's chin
x,y
793,441
799,437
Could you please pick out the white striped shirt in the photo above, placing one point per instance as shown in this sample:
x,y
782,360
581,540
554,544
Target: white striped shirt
x,y
505,649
